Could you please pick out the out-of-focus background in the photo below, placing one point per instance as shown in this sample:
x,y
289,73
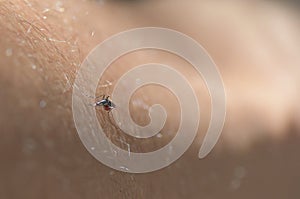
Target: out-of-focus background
x,y
256,46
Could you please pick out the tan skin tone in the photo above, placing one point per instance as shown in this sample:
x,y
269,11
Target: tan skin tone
x,y
42,45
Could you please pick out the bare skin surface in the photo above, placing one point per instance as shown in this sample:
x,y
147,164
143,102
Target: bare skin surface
x,y
255,46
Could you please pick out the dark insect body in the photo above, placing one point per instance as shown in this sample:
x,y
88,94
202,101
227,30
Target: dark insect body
x,y
107,104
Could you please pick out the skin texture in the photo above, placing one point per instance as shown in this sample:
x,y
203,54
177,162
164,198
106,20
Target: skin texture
x,y
254,44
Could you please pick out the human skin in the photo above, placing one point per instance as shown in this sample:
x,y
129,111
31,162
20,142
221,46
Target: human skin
x,y
42,45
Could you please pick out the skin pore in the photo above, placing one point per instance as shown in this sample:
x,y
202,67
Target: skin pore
x,y
42,46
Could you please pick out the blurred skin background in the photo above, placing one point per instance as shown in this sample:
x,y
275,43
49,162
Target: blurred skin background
x,y
256,46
